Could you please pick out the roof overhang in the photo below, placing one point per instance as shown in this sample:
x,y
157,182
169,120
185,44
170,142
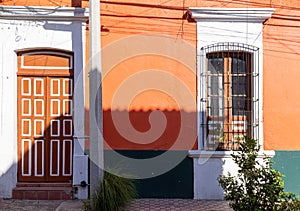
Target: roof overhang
x,y
44,13
230,14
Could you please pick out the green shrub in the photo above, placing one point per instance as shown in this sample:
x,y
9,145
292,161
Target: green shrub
x,y
115,193
256,186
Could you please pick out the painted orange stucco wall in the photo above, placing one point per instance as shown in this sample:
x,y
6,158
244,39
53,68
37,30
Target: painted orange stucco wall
x,y
126,26
149,76
281,56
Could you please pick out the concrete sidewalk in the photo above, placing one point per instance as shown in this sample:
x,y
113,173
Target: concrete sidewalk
x,y
136,205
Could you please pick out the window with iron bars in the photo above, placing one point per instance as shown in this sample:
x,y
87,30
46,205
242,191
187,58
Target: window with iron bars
x,y
231,87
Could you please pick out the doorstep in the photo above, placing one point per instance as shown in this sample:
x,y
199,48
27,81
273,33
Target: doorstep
x,y
43,191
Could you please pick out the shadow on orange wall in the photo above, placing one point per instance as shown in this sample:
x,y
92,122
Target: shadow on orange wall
x,y
148,130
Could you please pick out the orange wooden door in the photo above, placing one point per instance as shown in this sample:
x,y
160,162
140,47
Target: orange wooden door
x,y
45,128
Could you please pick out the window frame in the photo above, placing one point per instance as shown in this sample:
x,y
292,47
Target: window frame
x,y
225,128
241,25
228,48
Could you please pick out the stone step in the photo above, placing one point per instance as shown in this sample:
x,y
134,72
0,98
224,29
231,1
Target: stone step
x,y
42,191
41,184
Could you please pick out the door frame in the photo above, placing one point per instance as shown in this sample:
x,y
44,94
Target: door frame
x,y
53,67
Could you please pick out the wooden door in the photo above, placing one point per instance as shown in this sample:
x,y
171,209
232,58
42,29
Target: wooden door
x,y
45,124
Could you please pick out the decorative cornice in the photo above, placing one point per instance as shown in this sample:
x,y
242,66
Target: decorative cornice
x,y
230,14
43,13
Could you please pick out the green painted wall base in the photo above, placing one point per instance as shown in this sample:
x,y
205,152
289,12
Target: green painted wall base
x,y
288,163
176,183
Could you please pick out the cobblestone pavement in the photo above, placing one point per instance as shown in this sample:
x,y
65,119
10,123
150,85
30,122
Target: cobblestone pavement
x,y
177,205
34,205
136,205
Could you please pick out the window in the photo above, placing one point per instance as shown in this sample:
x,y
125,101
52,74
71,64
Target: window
x,y
229,89
230,31
230,94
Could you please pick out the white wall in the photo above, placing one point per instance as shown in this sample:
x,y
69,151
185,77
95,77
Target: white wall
x,y
208,166
24,27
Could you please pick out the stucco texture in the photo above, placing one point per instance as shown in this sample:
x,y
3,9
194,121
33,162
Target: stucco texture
x,y
121,20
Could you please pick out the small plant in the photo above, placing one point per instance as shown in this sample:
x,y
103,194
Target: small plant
x,y
115,193
257,186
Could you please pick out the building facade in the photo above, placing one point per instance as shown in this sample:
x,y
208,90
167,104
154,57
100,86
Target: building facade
x,y
182,83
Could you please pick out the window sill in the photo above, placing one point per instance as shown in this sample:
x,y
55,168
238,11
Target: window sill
x,y
224,154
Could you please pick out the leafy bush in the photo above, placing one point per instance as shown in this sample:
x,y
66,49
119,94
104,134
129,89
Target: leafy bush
x,y
115,193
257,186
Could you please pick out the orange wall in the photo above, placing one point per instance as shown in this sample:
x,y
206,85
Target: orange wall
x,y
281,86
125,19
281,60
145,84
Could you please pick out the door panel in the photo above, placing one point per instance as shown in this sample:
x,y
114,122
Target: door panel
x,y
60,120
45,128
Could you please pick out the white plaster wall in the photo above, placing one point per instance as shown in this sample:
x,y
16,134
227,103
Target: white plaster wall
x,y
250,33
242,32
18,34
208,167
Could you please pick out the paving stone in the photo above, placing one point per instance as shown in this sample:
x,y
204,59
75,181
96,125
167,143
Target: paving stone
x,y
28,205
136,205
71,205
177,205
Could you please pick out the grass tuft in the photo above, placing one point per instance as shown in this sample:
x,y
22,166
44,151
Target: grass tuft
x,y
115,193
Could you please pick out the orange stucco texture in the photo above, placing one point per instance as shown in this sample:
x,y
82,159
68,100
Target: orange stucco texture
x,y
280,70
133,28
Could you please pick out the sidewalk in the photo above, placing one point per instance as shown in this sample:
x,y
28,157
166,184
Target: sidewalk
x,y
136,205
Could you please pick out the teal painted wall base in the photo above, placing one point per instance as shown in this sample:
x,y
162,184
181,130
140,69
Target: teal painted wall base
x,y
288,163
176,183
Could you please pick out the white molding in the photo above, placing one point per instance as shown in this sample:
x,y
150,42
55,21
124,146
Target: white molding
x,y
224,154
64,157
35,87
35,107
29,106
70,57
36,160
58,127
29,157
42,126
52,107
230,14
52,89
43,13
70,89
209,154
58,157
225,25
70,107
29,87
64,127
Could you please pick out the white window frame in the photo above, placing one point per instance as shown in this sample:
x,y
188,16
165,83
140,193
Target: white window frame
x,y
224,25
255,88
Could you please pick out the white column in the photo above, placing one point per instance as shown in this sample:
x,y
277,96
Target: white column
x,y
80,160
95,71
